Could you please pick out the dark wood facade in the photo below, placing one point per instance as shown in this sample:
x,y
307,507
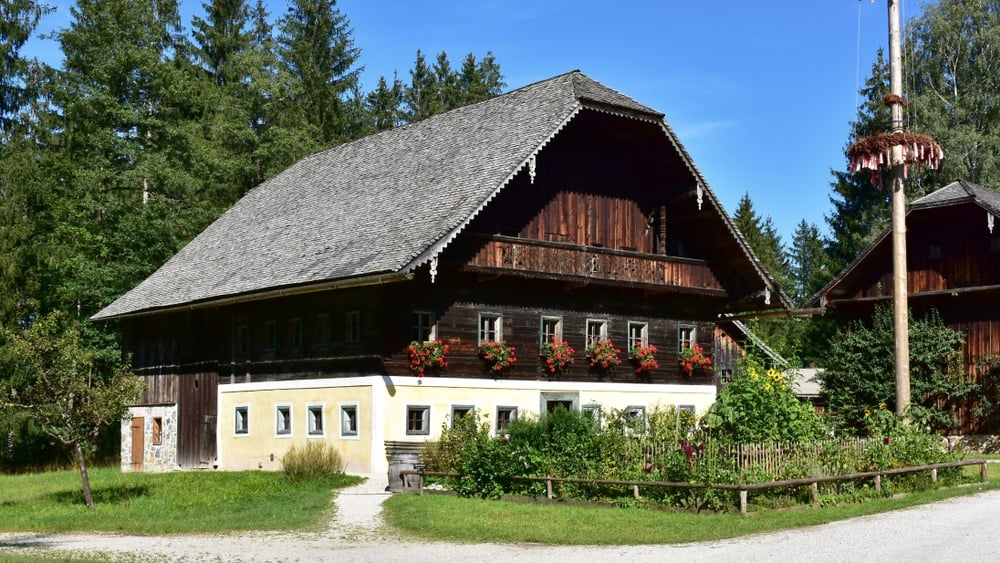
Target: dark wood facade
x,y
953,267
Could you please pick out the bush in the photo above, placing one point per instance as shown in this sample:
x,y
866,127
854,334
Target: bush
x,y
314,460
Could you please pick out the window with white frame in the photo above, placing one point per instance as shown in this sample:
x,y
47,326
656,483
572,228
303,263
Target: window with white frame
x,y
241,420
424,326
352,326
550,331
418,420
283,420
314,413
596,330
458,412
295,334
490,327
348,421
686,337
505,415
638,334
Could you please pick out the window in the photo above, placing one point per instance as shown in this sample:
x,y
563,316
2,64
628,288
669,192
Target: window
x,y
553,401
592,411
424,326
241,340
551,331
352,326
995,244
418,420
283,420
505,415
348,421
295,334
596,330
323,330
637,334
635,419
491,327
270,336
460,411
157,431
686,337
686,418
934,252
314,413
241,420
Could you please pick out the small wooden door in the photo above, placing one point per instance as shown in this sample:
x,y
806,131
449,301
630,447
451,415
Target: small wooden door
x,y
138,441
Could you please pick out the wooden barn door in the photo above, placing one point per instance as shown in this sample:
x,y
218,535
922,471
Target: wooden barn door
x,y
138,441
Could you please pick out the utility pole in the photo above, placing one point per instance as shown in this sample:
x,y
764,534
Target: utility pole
x,y
897,173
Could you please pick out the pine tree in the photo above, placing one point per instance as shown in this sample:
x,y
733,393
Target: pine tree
x,y
316,47
421,96
810,268
18,21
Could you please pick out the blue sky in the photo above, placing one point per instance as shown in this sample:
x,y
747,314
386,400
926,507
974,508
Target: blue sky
x,y
760,93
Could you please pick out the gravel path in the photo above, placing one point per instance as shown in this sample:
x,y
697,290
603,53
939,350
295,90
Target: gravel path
x,y
957,529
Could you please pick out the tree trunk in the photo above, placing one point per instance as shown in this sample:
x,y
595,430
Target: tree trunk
x,y
82,464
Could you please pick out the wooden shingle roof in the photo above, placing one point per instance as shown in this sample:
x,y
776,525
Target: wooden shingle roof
x,y
378,207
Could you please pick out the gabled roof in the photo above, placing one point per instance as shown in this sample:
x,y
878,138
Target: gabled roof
x,y
956,193
377,208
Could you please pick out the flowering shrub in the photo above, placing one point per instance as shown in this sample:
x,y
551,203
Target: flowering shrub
x,y
558,355
427,355
498,355
603,354
694,358
644,358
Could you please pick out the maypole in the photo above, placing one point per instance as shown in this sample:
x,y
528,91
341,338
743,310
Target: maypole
x,y
894,151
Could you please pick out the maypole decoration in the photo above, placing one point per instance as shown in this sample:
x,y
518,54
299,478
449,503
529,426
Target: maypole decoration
x,y
875,153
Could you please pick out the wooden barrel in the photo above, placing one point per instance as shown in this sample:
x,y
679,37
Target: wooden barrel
x,y
400,461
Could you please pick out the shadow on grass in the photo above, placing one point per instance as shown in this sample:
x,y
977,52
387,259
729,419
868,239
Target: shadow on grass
x,y
118,494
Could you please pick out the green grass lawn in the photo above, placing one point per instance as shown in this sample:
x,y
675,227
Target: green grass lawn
x,y
440,517
217,502
165,503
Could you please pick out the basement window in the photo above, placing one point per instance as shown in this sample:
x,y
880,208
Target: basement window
x,y
283,420
418,420
241,420
459,412
314,415
505,415
348,421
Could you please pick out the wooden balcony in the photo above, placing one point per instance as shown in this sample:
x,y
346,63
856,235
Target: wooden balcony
x,y
553,259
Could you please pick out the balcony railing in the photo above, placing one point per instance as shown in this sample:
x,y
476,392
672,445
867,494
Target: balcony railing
x,y
576,261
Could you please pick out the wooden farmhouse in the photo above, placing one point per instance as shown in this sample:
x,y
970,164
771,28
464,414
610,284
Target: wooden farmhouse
x,y
953,266
561,211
